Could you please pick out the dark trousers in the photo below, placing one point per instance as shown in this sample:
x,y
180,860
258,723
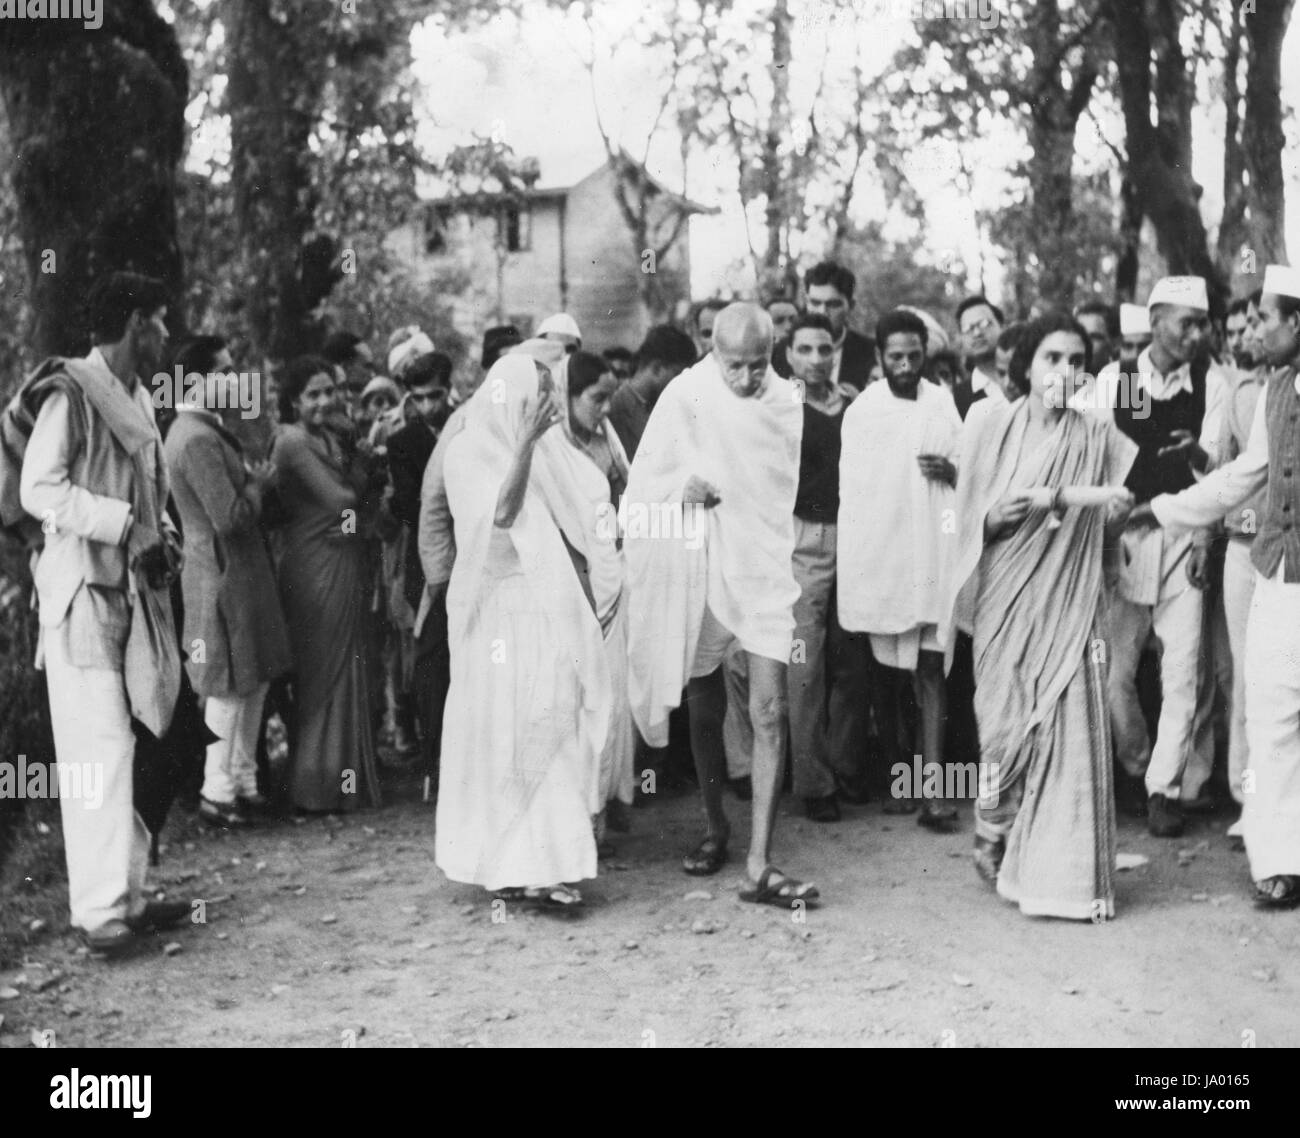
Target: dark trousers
x,y
866,693
962,737
432,678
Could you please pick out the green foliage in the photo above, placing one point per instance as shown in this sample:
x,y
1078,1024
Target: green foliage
x,y
895,272
15,308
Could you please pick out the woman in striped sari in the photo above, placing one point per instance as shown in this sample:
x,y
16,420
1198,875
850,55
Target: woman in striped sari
x,y
1039,486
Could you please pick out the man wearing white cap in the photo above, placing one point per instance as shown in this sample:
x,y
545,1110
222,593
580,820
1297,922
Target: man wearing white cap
x,y
1170,405
1271,817
563,329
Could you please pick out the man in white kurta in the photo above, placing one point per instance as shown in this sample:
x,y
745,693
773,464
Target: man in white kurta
x,y
709,535
897,525
1271,783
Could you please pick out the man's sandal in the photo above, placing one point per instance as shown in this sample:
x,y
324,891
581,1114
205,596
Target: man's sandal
x,y
940,820
706,858
1281,891
783,894
555,898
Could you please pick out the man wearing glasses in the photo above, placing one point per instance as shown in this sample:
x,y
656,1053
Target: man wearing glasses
x,y
980,323
710,541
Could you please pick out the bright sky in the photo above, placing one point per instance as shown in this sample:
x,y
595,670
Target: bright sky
x,y
523,79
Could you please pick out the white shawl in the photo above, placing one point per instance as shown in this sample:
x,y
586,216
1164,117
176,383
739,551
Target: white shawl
x,y
734,557
897,540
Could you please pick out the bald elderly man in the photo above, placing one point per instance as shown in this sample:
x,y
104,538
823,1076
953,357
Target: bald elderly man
x,y
708,522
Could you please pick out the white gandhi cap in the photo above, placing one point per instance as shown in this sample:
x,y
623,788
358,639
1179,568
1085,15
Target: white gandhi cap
x,y
1282,281
1187,292
1133,320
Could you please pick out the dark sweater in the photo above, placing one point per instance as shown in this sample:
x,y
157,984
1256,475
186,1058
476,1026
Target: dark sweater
x,y
1151,475
818,496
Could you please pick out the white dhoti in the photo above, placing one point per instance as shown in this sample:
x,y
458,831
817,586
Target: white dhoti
x,y
903,649
1271,814
897,528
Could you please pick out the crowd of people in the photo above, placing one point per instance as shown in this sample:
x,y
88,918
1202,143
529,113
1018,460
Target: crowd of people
x,y
930,567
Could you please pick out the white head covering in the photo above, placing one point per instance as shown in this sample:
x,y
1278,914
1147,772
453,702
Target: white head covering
x,y
561,323
407,350
549,353
1134,320
1282,281
381,383
936,337
1187,292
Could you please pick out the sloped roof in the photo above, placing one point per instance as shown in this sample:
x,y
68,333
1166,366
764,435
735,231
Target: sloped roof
x,y
558,193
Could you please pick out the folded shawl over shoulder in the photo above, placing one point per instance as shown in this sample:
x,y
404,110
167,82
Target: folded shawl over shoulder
x,y
152,660
478,460
734,557
1051,575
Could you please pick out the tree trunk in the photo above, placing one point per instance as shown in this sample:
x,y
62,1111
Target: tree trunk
x,y
1130,235
272,96
1232,226
97,125
1160,156
778,131
1262,136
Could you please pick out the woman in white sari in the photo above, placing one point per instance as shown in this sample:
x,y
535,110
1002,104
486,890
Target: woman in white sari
x,y
529,706
585,474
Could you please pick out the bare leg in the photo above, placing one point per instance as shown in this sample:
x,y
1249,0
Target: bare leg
x,y
708,702
767,711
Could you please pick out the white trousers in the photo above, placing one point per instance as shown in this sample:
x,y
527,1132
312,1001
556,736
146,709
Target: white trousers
x,y
1177,625
230,768
105,840
1270,818
1238,589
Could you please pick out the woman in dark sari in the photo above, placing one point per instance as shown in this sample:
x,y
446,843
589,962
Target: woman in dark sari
x,y
1039,487
327,492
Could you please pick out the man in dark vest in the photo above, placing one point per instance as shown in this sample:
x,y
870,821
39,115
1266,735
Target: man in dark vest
x,y
1171,406
1271,817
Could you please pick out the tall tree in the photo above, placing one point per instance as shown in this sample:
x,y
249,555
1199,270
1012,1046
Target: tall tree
x,y
323,144
1157,89
96,127
655,219
1263,137
1038,67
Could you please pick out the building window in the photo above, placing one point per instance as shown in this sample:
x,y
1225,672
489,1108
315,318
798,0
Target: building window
x,y
516,227
435,229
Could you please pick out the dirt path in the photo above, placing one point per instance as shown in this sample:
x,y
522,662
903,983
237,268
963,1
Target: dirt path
x,y
338,932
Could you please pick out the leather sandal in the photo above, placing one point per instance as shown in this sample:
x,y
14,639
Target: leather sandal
x,y
706,858
783,894
1282,891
